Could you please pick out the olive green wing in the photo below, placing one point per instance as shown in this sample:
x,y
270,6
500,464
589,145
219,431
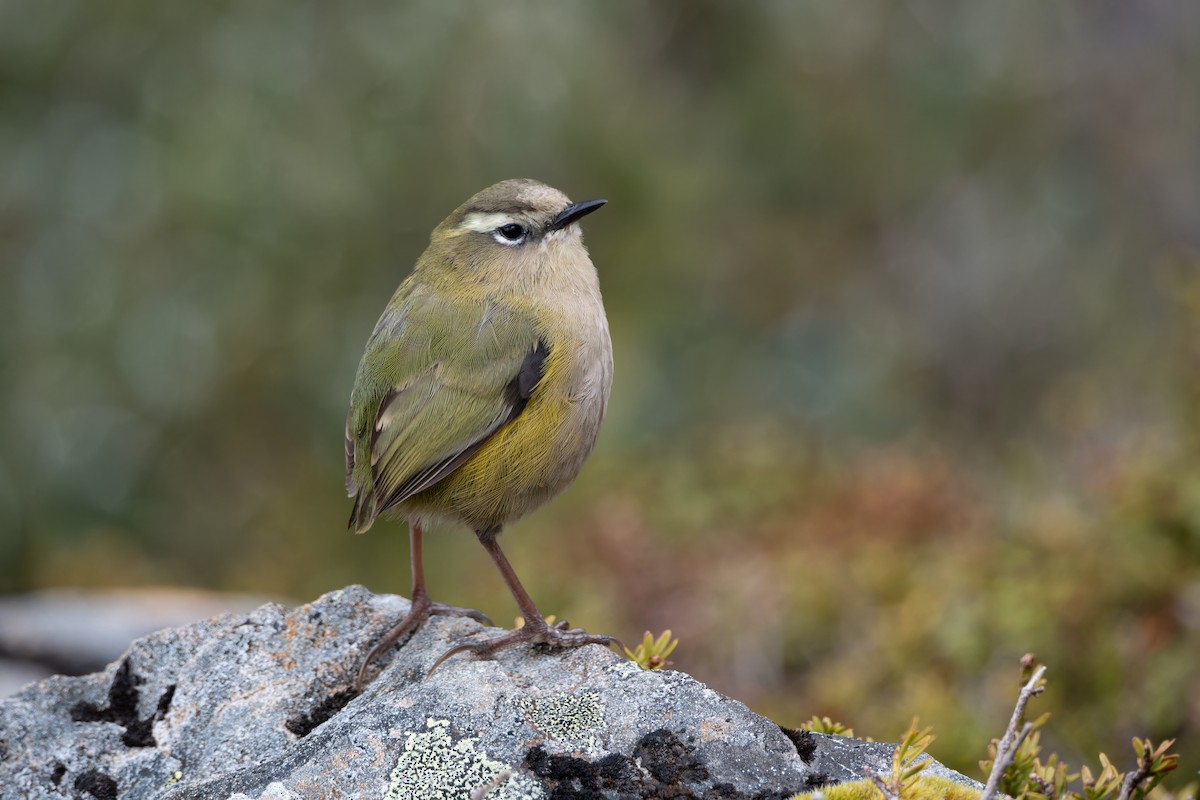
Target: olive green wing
x,y
438,379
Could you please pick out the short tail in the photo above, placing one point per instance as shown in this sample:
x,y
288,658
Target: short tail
x,y
363,515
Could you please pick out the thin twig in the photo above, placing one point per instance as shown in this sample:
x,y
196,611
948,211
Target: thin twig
x,y
1134,778
884,786
1004,761
1011,741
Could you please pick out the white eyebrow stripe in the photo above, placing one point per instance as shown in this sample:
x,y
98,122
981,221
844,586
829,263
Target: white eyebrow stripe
x,y
481,222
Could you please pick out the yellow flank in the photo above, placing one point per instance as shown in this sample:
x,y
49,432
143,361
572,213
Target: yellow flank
x,y
519,466
925,787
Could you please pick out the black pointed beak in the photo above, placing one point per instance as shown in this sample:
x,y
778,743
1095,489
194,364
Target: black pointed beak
x,y
574,212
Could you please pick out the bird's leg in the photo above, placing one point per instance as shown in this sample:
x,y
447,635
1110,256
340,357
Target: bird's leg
x,y
422,607
535,630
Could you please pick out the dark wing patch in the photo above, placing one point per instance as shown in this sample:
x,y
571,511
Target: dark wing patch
x,y
516,395
533,369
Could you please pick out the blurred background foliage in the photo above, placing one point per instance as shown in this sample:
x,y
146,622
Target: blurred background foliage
x,y
905,300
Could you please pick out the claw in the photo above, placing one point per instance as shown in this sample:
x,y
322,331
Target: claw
x,y
534,631
453,651
421,610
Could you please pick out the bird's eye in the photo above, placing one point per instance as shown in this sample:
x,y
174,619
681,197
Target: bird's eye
x,y
512,233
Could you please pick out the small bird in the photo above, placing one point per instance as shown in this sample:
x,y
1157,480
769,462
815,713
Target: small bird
x,y
482,388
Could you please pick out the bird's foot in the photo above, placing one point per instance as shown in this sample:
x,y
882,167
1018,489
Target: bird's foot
x,y
534,631
422,609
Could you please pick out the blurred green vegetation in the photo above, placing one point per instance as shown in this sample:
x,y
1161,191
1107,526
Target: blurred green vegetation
x,y
905,301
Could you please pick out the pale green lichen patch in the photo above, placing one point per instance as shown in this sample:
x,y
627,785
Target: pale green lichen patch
x,y
435,767
565,716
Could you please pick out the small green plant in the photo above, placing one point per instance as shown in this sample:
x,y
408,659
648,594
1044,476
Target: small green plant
x,y
906,763
1015,766
905,781
652,653
1153,764
825,725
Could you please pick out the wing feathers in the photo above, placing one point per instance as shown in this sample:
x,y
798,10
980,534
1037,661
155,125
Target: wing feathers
x,y
423,479
351,486
433,406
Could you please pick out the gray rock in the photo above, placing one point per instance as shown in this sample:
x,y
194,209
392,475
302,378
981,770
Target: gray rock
x,y
262,706
17,673
839,758
76,631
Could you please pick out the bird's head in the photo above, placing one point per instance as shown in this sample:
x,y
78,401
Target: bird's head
x,y
516,229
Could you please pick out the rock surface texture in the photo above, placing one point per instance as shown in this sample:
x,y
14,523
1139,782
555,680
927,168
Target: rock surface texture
x,y
77,631
262,705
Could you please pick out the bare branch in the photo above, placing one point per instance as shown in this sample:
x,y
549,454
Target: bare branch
x,y
1132,779
1014,734
1153,764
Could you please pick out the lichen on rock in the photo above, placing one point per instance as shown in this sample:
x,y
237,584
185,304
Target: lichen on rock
x,y
435,767
565,716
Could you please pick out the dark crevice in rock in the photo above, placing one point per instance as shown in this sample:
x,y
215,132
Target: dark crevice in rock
x,y
56,776
97,784
806,747
304,724
815,780
164,702
661,766
122,708
805,744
